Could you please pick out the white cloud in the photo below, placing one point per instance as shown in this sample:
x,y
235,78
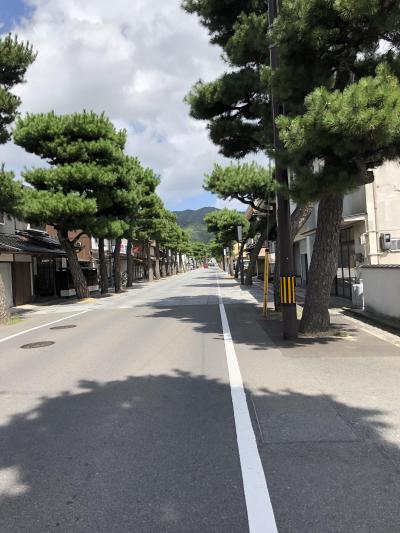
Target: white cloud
x,y
135,60
230,204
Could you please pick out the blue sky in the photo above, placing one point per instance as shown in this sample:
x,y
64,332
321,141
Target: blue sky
x,y
11,12
97,54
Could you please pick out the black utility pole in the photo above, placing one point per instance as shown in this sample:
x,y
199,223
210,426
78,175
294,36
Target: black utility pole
x,y
287,277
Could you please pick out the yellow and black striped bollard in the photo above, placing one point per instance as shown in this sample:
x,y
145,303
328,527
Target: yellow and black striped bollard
x,y
288,290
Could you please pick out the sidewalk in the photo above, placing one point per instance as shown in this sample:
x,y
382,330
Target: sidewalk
x,y
326,411
338,306
54,303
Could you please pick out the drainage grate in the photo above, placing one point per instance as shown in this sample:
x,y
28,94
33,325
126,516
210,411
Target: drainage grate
x,y
69,326
41,344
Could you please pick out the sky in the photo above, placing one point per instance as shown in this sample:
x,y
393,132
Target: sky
x,y
133,59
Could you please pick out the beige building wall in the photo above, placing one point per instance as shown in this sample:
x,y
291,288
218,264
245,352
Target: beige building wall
x,y
368,212
383,213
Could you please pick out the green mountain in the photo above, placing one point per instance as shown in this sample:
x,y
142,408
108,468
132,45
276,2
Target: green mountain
x,y
192,220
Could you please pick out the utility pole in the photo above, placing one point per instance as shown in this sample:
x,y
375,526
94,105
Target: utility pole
x,y
287,277
240,241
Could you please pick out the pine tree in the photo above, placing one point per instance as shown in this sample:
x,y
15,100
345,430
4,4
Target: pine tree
x,y
15,58
331,64
142,220
171,242
199,251
117,209
224,225
252,185
148,223
237,106
85,155
343,114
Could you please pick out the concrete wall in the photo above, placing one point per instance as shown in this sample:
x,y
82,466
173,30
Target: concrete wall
x,y
382,290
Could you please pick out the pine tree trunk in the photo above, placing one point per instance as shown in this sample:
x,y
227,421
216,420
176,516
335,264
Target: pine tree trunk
x,y
150,273
103,267
323,266
117,265
168,263
254,255
157,272
80,283
230,265
129,263
173,264
4,311
239,259
163,266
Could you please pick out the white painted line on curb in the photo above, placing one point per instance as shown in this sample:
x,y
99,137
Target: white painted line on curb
x,y
43,326
259,508
372,330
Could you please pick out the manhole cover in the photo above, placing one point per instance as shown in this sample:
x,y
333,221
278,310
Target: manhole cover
x,y
69,326
41,344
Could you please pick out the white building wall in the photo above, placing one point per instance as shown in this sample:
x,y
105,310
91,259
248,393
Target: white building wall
x,y
382,290
384,212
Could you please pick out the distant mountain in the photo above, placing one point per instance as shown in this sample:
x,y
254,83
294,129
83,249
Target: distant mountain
x,y
192,220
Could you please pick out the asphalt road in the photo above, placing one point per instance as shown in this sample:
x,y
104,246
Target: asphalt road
x,y
136,420
125,423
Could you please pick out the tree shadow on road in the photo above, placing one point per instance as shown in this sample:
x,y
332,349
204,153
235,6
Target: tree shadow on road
x,y
147,453
248,326
159,454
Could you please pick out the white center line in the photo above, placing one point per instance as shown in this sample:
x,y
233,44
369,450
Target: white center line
x,y
259,508
42,326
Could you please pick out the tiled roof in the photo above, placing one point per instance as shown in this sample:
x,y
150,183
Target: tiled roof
x,y
380,266
27,244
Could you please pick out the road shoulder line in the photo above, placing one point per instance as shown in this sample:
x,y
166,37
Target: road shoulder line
x,y
42,326
258,503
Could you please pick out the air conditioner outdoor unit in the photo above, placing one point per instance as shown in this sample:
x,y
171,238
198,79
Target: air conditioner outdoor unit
x,y
389,243
386,241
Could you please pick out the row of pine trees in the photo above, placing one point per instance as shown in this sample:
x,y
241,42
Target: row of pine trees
x,y
87,182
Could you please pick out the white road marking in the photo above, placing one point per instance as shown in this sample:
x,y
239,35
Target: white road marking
x,y
259,508
42,326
